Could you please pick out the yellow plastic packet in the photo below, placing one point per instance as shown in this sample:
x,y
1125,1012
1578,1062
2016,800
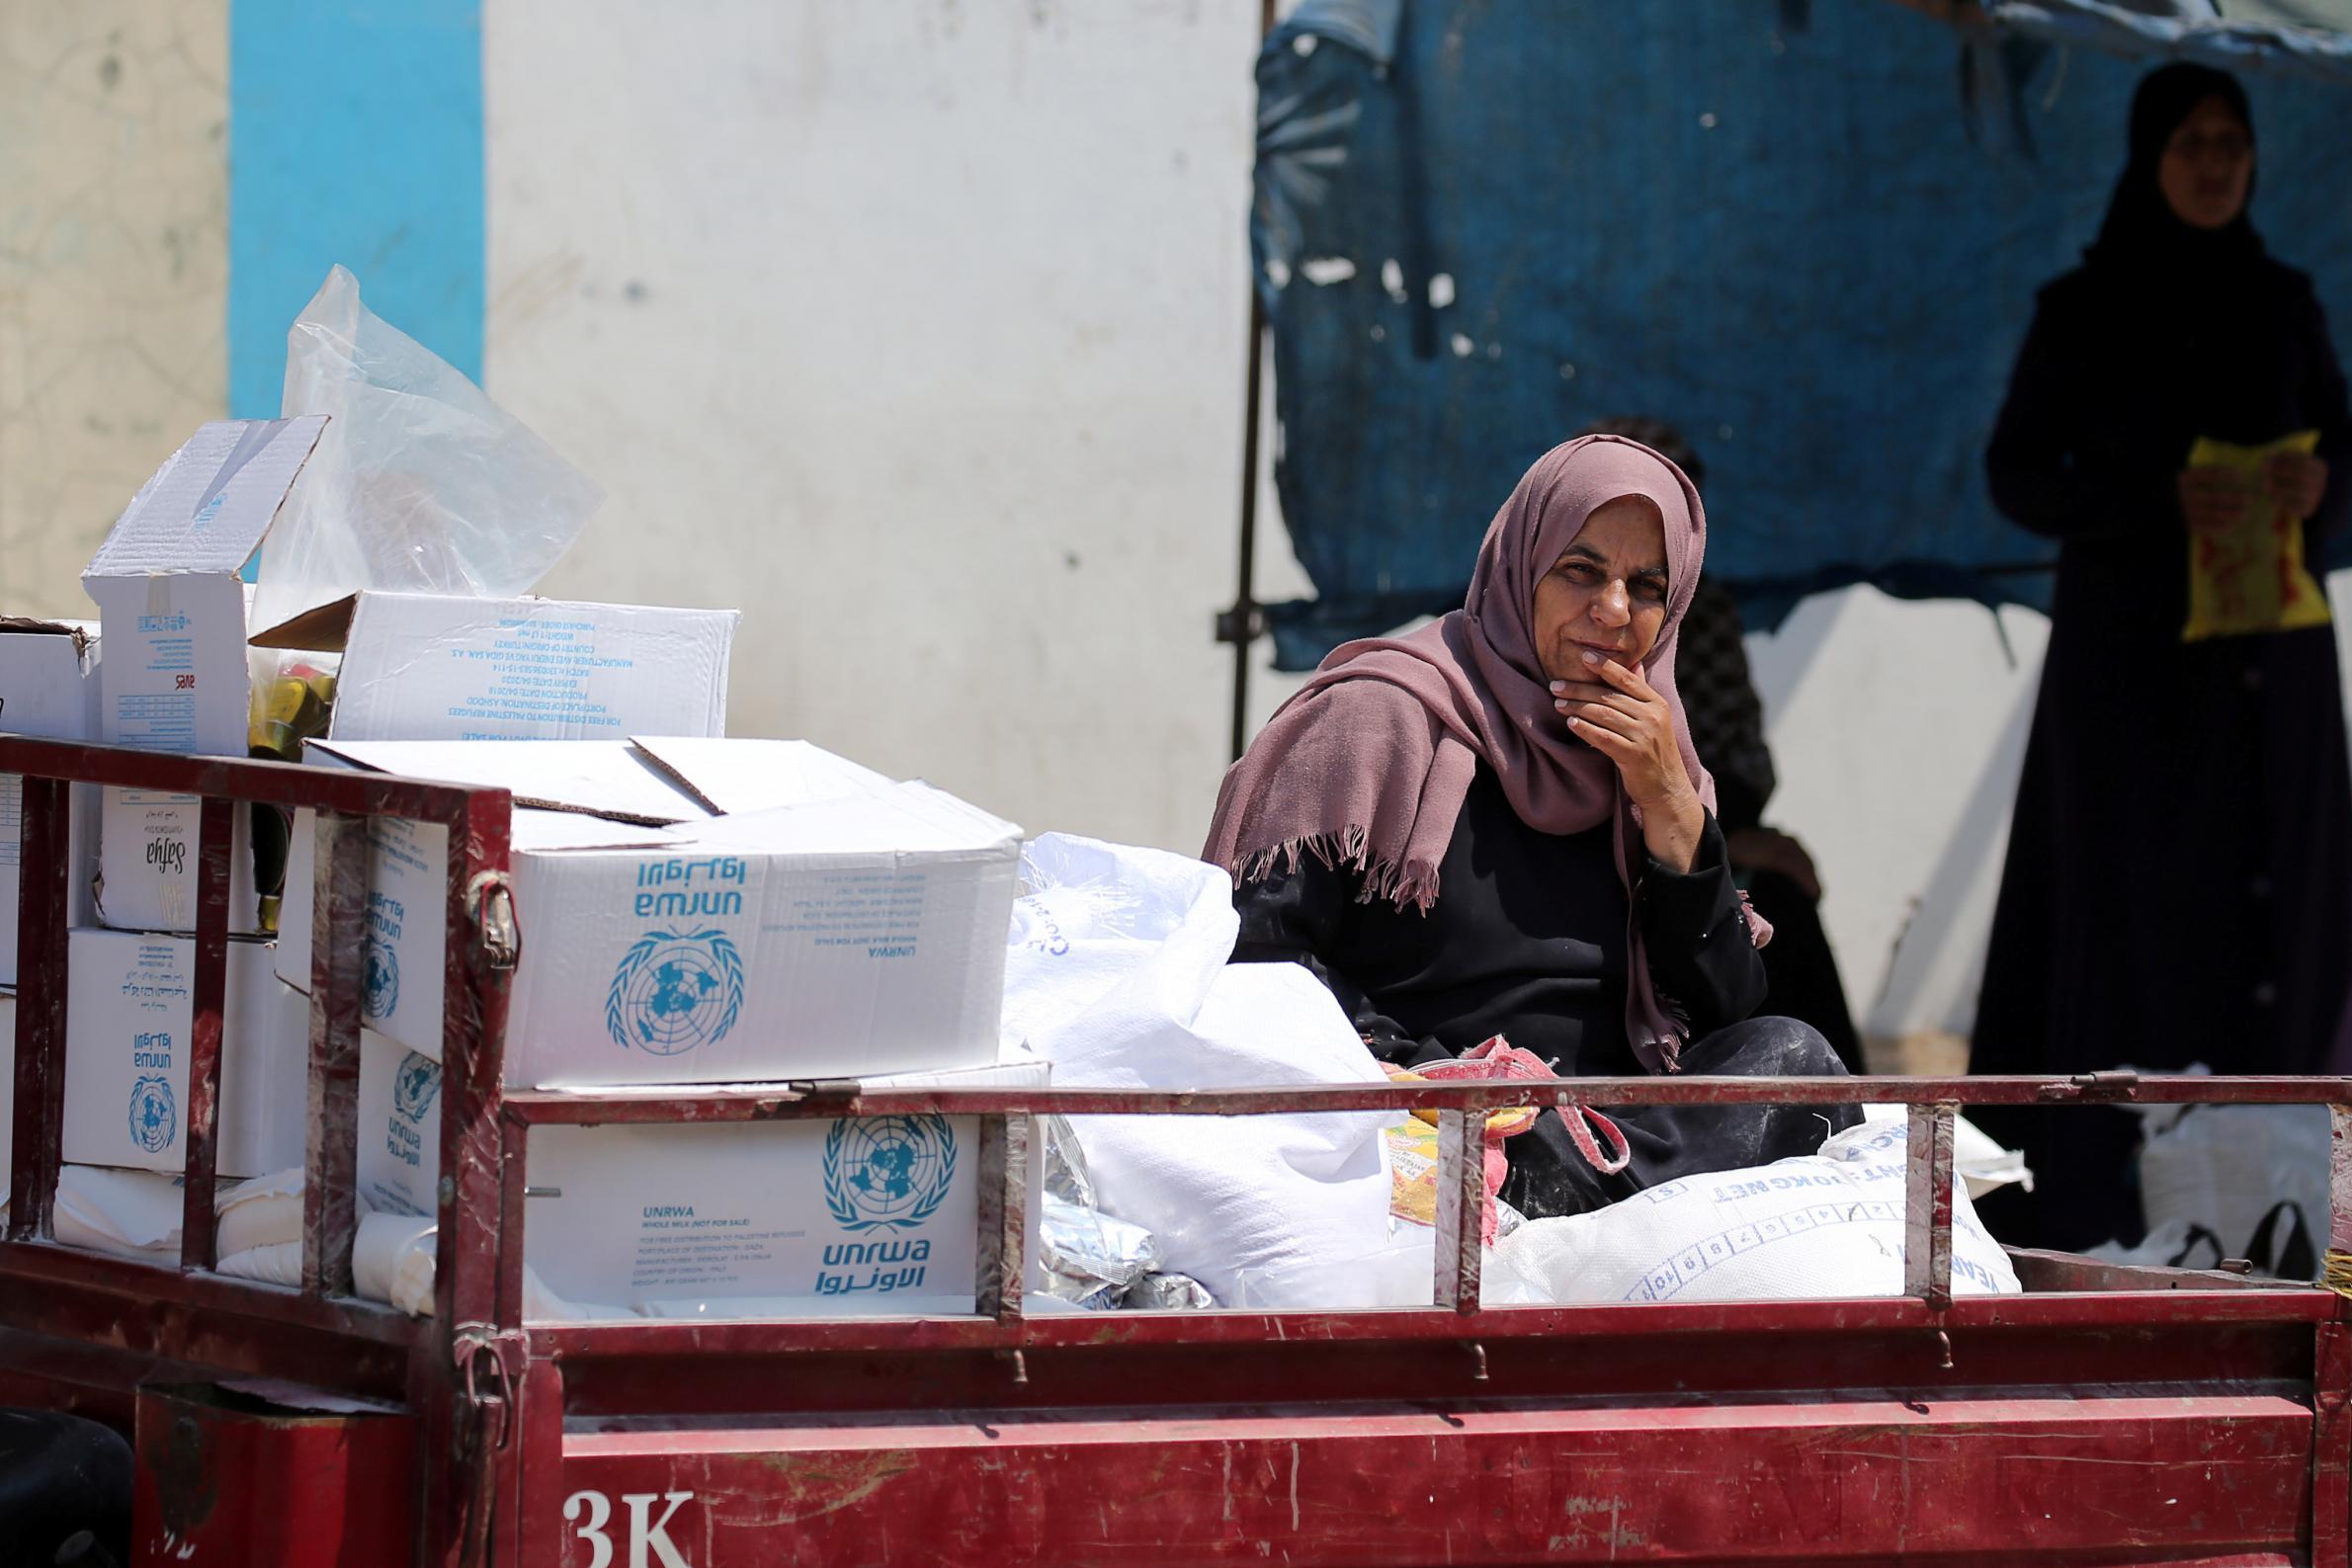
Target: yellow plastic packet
x,y
1413,1153
2251,578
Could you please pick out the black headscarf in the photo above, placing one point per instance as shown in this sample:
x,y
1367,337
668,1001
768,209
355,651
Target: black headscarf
x,y
2142,239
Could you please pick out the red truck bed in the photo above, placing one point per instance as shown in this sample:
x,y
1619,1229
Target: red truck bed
x,y
2108,1416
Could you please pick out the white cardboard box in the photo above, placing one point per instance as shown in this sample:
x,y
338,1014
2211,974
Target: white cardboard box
x,y
48,689
173,608
399,1163
445,667
863,1216
168,591
129,1010
849,935
407,888
841,938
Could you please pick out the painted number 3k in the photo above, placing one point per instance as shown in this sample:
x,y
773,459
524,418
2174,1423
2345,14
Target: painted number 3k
x,y
649,1543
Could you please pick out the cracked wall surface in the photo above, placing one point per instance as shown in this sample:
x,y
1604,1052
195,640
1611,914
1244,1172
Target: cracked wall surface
x,y
114,219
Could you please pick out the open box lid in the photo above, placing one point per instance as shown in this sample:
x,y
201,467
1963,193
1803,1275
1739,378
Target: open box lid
x,y
322,629
730,776
591,778
209,507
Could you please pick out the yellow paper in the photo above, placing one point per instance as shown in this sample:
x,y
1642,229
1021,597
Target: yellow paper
x,y
2251,578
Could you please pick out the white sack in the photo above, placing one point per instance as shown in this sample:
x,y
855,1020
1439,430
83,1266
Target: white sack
x,y
129,1214
391,1260
266,1211
2223,1167
1975,1158
1821,1225
272,1262
1117,974
259,1237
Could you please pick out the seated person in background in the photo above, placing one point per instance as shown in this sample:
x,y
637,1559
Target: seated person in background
x,y
1496,825
1727,727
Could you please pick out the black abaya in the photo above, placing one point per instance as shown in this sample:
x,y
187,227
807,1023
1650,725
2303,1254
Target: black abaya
x,y
2178,883
1527,940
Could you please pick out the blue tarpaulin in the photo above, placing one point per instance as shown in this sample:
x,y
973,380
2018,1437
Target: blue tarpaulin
x,y
1809,235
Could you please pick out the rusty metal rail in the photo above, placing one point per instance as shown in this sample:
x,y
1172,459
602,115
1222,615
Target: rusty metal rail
x,y
191,1313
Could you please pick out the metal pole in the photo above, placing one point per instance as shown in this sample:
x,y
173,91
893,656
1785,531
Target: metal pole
x,y
1241,626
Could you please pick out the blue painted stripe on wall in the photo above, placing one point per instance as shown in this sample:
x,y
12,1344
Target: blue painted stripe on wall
x,y
355,137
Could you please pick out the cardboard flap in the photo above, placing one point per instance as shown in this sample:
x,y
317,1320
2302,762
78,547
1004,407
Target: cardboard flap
x,y
206,508
323,628
907,817
591,778
538,831
83,633
733,776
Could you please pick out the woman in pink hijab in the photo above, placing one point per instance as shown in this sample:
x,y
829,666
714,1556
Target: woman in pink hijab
x,y
1496,826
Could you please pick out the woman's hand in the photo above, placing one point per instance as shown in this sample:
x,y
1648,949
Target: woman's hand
x,y
2213,500
2295,482
1618,716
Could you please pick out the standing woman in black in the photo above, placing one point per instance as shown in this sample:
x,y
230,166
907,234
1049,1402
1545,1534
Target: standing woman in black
x,y
2179,878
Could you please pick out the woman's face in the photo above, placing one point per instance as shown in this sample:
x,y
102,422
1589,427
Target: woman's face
x,y
1607,592
2208,165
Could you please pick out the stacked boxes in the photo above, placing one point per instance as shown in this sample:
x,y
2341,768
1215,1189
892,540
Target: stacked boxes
x,y
691,911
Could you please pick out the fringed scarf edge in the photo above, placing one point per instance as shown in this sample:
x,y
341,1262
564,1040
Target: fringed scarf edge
x,y
1399,882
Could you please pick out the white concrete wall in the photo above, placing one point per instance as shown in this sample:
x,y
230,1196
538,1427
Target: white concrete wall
x,y
114,259
916,331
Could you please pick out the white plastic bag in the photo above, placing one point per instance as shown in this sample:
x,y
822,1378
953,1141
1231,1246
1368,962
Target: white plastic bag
x,y
419,483
1825,1225
1117,974
2220,1171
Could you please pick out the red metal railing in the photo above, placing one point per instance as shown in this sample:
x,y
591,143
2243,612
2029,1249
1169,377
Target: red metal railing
x,y
487,1391
441,1356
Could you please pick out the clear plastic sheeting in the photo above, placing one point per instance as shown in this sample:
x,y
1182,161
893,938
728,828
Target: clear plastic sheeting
x,y
419,484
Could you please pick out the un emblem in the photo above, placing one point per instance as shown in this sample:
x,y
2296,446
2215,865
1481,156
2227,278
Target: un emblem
x,y
887,1170
154,1116
415,1085
674,991
383,992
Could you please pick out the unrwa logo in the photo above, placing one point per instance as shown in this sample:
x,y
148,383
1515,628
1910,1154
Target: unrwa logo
x,y
154,1116
890,1171
415,1085
674,991
383,990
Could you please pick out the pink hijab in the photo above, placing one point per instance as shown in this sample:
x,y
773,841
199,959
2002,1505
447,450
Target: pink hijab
x,y
1369,763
